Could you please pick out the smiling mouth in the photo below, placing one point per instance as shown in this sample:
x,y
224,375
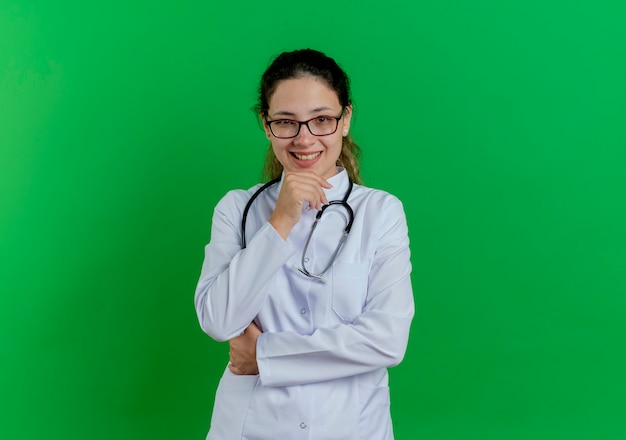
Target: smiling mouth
x,y
306,156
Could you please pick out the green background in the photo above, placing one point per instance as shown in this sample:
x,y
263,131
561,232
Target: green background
x,y
500,124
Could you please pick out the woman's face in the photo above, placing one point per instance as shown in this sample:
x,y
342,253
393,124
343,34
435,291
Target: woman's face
x,y
302,99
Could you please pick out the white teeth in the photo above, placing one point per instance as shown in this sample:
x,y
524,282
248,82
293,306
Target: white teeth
x,y
306,156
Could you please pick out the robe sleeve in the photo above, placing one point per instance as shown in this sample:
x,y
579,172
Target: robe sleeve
x,y
230,290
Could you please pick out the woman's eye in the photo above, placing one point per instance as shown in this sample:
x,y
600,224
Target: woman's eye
x,y
322,120
284,122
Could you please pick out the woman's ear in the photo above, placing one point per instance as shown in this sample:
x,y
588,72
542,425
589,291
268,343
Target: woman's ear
x,y
347,118
266,128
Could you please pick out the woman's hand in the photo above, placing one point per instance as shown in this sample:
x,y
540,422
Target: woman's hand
x,y
243,352
298,188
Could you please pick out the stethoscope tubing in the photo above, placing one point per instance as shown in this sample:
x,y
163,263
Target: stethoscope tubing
x,y
247,208
343,202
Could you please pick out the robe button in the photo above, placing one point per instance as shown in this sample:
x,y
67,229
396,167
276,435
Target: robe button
x,y
303,311
302,425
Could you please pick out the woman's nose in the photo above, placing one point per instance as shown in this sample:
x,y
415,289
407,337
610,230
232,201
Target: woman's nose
x,y
305,136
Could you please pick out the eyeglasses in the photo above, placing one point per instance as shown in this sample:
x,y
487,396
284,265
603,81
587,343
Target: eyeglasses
x,y
318,126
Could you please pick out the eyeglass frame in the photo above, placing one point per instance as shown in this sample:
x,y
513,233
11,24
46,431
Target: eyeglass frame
x,y
301,123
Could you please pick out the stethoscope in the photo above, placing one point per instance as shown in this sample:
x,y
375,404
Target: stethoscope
x,y
343,202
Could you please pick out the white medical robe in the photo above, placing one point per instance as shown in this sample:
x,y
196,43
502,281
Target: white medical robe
x,y
326,345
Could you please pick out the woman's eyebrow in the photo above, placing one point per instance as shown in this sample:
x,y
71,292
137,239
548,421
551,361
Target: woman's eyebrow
x,y
315,110
284,113
319,109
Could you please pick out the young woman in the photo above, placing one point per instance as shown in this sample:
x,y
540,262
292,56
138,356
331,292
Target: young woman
x,y
307,277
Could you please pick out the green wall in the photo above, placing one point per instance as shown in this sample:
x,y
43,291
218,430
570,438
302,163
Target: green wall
x,y
500,124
